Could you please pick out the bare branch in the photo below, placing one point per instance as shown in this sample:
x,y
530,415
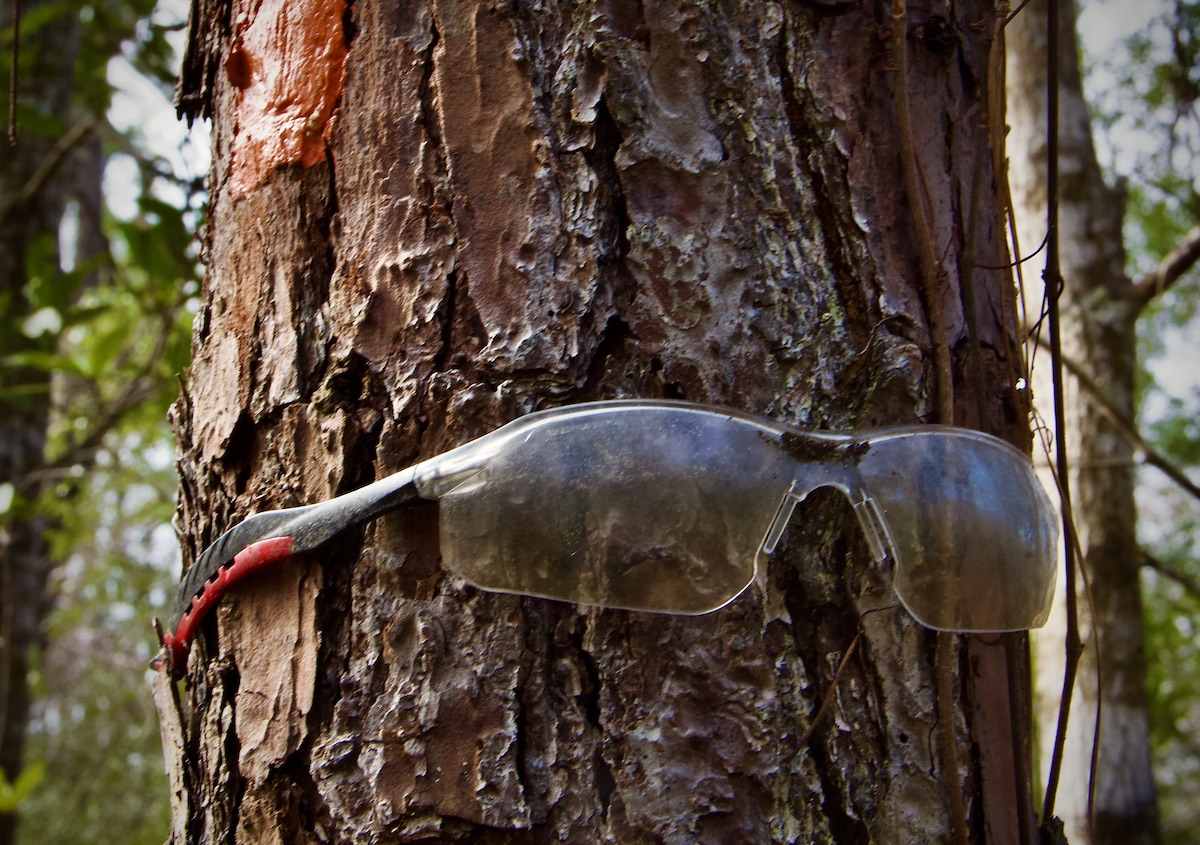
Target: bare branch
x,y
75,135
1173,266
1190,585
1127,429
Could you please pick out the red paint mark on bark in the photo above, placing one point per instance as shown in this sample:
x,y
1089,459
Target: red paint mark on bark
x,y
288,62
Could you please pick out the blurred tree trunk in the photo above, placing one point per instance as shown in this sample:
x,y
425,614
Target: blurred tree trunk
x,y
430,218
35,180
1100,306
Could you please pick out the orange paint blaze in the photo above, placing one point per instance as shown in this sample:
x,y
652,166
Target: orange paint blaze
x,y
289,64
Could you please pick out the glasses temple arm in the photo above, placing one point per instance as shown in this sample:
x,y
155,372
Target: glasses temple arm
x,y
265,539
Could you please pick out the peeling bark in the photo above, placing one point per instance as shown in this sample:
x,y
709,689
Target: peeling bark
x,y
528,205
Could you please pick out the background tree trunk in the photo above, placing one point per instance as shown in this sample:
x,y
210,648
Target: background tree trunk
x,y
430,218
35,180
1099,308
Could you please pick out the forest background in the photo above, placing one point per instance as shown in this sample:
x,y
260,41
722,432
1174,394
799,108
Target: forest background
x,y
98,335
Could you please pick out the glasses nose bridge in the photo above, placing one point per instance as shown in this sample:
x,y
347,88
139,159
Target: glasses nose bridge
x,y
846,479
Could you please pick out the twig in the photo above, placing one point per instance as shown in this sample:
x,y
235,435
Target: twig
x,y
826,701
34,184
1189,584
1074,564
15,71
926,250
1128,430
966,277
1015,12
948,734
136,390
6,631
1016,262
1054,283
931,293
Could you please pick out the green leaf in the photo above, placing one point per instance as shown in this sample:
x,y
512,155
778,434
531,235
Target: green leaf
x,y
49,362
12,794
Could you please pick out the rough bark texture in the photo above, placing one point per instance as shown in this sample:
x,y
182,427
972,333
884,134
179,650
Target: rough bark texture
x,y
29,224
523,205
1099,312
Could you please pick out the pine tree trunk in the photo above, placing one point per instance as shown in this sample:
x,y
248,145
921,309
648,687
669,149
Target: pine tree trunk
x,y
1099,341
430,218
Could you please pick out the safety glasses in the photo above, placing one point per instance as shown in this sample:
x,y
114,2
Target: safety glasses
x,y
669,507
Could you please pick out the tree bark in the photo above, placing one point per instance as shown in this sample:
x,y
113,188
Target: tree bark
x,y
1099,339
430,218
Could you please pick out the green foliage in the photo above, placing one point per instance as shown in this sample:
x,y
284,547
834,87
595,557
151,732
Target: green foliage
x,y
1177,432
111,331
1173,666
94,727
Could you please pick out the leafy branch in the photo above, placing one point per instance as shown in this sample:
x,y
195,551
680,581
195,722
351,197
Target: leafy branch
x,y
138,388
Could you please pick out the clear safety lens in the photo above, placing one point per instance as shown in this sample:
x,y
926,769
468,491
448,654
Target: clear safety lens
x,y
667,506
664,509
973,534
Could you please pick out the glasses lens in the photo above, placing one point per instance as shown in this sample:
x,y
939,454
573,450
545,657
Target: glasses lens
x,y
646,508
973,532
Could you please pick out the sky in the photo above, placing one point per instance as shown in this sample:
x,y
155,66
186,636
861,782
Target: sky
x,y
141,107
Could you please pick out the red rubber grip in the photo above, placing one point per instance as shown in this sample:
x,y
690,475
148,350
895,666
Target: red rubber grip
x,y
250,559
